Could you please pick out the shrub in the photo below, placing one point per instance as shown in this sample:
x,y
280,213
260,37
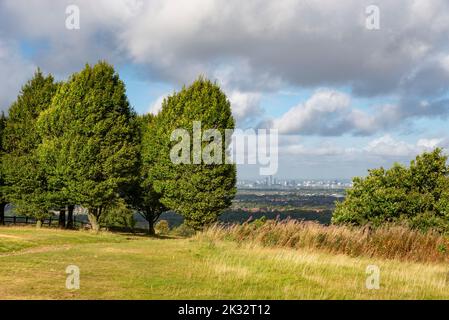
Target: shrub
x,y
184,231
162,227
417,195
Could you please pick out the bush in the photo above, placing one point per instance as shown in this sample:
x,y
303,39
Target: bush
x,y
118,215
184,231
162,227
417,195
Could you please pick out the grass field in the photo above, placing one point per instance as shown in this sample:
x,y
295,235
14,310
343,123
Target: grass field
x,y
123,266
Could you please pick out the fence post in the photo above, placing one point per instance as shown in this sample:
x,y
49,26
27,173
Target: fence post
x,y
14,220
49,222
26,220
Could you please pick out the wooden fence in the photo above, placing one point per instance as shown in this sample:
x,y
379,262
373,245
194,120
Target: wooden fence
x,y
52,221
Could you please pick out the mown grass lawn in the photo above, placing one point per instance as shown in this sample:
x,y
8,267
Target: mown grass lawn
x,y
123,266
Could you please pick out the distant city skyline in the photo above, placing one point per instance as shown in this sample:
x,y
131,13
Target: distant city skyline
x,y
271,181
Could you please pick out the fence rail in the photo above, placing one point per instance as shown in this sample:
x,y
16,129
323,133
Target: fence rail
x,y
18,220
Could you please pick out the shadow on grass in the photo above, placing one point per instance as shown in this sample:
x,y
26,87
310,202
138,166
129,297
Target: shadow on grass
x,y
125,232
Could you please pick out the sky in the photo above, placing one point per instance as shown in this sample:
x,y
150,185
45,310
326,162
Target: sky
x,y
345,96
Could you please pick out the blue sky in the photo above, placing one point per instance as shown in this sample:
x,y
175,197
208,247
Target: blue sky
x,y
344,97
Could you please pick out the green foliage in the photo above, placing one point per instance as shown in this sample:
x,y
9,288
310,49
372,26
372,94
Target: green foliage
x,y
418,195
118,215
91,139
79,142
162,227
199,192
184,230
259,222
141,195
25,179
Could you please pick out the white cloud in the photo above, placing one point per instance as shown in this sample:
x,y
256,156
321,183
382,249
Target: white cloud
x,y
293,42
387,146
429,143
156,106
313,43
390,147
330,112
324,112
245,106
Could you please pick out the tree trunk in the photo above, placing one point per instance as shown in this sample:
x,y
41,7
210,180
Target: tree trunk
x,y
38,223
93,219
70,216
61,222
151,231
2,213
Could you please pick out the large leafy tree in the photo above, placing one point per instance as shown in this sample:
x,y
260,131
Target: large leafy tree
x,y
27,182
92,139
142,196
196,189
418,195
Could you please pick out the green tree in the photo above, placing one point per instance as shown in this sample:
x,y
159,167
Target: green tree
x,y
196,189
27,183
417,195
118,214
142,196
94,140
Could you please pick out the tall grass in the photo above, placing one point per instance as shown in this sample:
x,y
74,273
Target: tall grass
x,y
391,242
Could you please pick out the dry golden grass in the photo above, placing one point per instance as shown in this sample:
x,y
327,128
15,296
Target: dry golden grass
x,y
390,242
123,266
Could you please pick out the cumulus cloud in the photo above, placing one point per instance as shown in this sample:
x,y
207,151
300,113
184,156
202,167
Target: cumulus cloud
x,y
302,43
329,112
388,146
313,43
324,113
245,106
